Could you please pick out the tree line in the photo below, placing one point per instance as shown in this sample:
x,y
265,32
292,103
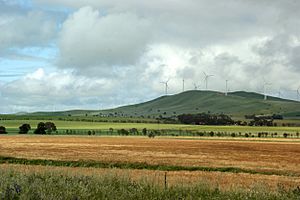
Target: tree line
x,y
42,128
205,119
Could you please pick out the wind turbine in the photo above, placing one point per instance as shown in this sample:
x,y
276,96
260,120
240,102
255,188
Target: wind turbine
x,y
196,86
279,93
226,92
206,76
265,89
298,93
166,85
182,85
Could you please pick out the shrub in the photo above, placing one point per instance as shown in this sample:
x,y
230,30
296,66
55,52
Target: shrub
x,y
151,134
144,131
50,126
123,132
233,134
3,130
41,129
24,129
259,134
285,135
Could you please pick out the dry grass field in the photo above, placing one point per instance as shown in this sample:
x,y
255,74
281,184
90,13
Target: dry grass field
x,y
224,181
274,156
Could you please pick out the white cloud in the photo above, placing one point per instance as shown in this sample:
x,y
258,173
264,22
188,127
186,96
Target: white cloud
x,y
22,30
91,40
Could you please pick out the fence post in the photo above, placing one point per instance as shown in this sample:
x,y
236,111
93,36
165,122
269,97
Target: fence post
x,y
166,184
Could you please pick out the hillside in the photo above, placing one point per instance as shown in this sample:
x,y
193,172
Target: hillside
x,y
235,104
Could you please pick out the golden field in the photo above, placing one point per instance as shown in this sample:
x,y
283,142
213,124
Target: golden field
x,y
276,155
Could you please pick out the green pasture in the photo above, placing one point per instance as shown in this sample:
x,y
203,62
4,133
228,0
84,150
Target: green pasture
x,y
13,125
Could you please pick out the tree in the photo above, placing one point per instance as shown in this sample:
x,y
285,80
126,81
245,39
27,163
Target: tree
x,y
111,130
123,132
134,131
151,134
144,131
50,126
3,130
41,129
24,129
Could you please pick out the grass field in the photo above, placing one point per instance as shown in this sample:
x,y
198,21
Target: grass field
x,y
59,184
12,127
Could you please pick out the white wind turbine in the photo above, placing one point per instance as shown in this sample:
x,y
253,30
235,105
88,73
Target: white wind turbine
x,y
265,89
279,93
182,85
226,89
206,76
196,87
166,85
298,93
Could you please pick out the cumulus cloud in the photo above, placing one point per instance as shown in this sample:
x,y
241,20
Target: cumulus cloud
x,y
19,31
92,40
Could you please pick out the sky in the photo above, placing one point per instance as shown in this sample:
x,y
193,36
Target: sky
x,y
97,54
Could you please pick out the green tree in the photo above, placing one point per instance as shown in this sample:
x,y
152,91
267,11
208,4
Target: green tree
x,y
50,127
3,130
41,129
24,129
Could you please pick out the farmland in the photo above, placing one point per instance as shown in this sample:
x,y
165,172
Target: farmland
x,y
12,126
227,164
169,166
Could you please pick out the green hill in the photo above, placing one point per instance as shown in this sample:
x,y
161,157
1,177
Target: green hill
x,y
236,104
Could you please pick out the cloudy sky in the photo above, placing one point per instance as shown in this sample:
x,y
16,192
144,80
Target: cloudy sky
x,y
92,54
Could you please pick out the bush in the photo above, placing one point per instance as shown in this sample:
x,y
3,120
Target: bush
x,y
24,129
233,134
151,134
259,134
144,131
123,132
285,135
50,126
3,130
41,129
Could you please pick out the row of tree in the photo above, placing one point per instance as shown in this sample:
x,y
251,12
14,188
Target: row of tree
x,y
42,128
205,119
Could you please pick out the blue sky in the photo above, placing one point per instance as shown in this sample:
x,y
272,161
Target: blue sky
x,y
63,54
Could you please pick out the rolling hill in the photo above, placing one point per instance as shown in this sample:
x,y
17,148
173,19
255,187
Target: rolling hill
x,y
236,104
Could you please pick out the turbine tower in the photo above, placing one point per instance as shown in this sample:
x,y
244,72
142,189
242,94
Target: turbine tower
x,y
279,93
298,93
182,85
166,86
226,92
196,86
206,76
265,89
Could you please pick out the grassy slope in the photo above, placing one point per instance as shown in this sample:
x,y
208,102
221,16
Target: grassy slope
x,y
236,104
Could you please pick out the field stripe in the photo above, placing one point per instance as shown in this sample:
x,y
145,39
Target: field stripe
x,y
129,165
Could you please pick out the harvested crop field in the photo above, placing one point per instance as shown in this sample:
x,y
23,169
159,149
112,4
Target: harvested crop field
x,y
261,156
